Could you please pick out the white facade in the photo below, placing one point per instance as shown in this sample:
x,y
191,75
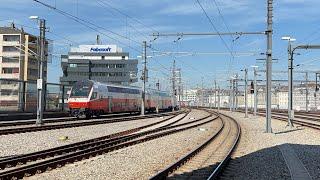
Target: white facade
x,y
97,49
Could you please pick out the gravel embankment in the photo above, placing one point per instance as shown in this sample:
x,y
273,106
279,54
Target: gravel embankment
x,y
136,162
258,155
14,144
195,114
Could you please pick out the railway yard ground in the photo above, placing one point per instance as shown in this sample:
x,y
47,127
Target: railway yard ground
x,y
191,144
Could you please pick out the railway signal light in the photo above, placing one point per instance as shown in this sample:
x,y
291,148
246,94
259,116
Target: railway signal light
x,y
252,87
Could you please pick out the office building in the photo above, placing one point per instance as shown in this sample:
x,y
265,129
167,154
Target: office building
x,y
103,63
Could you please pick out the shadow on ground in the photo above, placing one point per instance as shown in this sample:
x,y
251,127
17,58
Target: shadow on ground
x,y
263,164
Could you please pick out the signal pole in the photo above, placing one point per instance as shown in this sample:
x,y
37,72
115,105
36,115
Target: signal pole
x,y
144,76
246,91
173,84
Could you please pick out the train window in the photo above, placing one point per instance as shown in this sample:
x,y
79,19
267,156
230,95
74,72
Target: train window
x,y
94,95
81,89
123,90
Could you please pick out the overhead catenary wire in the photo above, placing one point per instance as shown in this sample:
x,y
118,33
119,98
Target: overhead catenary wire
x,y
91,25
126,15
214,27
102,4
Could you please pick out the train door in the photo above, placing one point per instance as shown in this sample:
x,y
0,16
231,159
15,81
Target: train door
x,y
110,103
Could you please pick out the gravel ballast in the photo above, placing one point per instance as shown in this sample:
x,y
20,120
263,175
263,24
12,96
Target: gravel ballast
x,y
15,144
136,162
258,155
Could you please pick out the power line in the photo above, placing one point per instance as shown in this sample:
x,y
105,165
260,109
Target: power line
x,y
223,20
126,15
214,27
103,5
86,22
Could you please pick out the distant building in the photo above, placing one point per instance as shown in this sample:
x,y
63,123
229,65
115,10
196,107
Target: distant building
x,y
18,54
103,63
190,97
18,61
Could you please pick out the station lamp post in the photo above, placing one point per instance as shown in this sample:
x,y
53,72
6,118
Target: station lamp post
x,y
41,60
290,80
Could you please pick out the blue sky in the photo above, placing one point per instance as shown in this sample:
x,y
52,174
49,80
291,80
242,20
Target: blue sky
x,y
297,18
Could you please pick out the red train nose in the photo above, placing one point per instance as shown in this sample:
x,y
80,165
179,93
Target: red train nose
x,y
78,105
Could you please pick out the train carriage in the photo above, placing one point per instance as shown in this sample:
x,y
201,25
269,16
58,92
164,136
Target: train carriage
x,y
88,98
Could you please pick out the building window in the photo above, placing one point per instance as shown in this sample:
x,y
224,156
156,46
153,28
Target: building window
x,y
32,62
11,38
73,65
8,92
10,70
32,72
10,59
10,49
120,65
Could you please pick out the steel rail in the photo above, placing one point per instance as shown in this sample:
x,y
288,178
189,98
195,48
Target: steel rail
x,y
22,159
226,159
93,151
295,121
164,173
60,119
76,124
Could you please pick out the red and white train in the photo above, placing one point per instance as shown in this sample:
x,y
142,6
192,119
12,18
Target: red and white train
x,y
89,98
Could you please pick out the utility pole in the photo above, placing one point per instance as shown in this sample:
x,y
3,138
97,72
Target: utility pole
x,y
269,66
173,85
198,98
40,81
230,95
315,92
202,95
236,91
218,98
215,94
233,94
144,77
246,91
307,93
158,89
255,92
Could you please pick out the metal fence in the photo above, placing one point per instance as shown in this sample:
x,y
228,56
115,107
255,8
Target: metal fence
x,y
21,96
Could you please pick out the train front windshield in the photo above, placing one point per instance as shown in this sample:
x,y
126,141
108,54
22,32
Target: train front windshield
x,y
81,89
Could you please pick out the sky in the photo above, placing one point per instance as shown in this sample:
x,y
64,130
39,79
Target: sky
x,y
129,23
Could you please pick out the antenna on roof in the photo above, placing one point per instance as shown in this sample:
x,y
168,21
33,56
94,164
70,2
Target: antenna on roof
x,y
98,41
12,25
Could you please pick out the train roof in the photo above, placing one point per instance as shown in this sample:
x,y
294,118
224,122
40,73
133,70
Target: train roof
x,y
123,86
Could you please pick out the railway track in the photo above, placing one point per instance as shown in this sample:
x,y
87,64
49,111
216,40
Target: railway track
x,y
60,119
284,117
208,159
37,162
16,130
